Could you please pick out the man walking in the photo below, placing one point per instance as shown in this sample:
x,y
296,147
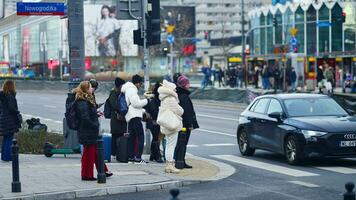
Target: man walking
x,y
134,117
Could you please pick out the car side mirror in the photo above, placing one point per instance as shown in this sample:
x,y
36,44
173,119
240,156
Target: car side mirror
x,y
276,115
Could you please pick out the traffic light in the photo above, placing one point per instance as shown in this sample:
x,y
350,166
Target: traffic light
x,y
153,23
137,37
275,22
343,17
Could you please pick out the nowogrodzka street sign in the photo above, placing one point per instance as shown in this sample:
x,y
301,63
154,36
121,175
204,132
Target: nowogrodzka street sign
x,y
41,8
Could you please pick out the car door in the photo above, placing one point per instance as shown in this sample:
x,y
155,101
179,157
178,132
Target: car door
x,y
258,120
272,132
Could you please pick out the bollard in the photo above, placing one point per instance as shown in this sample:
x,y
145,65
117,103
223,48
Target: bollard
x,y
181,147
349,194
174,192
100,160
147,147
16,184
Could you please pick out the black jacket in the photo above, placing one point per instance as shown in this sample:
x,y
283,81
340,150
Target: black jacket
x,y
88,122
9,122
189,117
117,124
152,108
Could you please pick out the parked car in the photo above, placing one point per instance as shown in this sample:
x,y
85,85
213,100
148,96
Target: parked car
x,y
299,126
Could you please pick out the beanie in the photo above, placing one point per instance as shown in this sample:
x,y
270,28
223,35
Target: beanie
x,y
182,81
137,79
119,82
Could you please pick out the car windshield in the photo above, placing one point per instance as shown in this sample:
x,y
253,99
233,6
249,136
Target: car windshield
x,y
313,107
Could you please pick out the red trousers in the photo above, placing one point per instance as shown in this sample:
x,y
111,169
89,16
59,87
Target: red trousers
x,y
89,158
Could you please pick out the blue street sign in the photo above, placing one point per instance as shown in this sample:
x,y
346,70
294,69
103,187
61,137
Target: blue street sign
x,y
170,39
42,8
323,24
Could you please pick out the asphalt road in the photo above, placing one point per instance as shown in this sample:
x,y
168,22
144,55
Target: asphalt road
x,y
264,176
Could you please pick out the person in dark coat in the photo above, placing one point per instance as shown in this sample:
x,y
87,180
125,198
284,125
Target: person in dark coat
x,y
152,109
320,77
88,130
189,116
9,120
118,125
293,79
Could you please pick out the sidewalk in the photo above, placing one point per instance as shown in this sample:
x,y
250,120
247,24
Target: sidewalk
x,y
59,177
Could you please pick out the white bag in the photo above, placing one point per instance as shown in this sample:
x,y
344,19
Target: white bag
x,y
169,120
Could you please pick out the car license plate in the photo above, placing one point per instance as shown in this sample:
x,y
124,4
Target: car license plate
x,y
348,143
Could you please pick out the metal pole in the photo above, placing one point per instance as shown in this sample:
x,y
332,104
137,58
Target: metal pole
x,y
171,70
145,49
244,66
100,160
16,184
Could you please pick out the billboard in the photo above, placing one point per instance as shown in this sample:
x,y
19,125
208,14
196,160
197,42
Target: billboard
x,y
105,35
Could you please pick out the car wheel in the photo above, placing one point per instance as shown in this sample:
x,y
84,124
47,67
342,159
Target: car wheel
x,y
244,144
293,151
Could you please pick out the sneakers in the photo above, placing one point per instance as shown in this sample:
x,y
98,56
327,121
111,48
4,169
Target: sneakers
x,y
88,179
131,160
140,161
108,174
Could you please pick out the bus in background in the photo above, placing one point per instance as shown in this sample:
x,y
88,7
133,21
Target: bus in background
x,y
5,69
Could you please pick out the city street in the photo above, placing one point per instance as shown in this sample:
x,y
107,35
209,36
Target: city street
x,y
264,176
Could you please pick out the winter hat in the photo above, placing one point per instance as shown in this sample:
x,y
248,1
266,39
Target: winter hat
x,y
168,85
119,82
137,79
182,81
94,84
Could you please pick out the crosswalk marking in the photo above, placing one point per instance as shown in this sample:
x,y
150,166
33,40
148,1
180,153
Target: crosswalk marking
x,y
192,145
214,132
216,117
219,145
304,184
342,170
265,166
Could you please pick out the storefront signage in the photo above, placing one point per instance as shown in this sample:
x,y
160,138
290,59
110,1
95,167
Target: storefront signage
x,y
323,24
235,59
42,8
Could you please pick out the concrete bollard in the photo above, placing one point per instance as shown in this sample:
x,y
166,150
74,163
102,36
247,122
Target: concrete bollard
x,y
16,184
100,160
174,192
349,194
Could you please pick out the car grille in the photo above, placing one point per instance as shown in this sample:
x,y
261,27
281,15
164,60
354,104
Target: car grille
x,y
333,142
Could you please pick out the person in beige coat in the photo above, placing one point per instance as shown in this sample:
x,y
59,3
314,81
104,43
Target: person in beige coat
x,y
170,119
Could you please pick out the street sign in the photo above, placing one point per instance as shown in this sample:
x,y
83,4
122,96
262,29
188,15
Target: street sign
x,y
170,39
129,9
42,8
323,24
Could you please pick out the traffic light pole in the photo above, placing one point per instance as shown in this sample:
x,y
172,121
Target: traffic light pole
x,y
244,66
145,49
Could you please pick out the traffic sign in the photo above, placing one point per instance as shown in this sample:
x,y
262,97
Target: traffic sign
x,y
323,24
170,39
41,8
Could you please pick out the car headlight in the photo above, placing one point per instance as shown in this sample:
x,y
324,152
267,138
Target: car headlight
x,y
308,133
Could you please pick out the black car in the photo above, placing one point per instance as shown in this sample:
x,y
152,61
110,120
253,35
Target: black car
x,y
298,126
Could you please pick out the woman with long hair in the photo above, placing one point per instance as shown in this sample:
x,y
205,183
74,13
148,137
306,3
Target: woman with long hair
x,y
88,131
10,122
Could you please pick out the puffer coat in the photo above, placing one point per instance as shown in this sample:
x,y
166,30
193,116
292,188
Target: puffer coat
x,y
9,122
88,131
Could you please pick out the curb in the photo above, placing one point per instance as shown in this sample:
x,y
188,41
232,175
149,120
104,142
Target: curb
x,y
95,192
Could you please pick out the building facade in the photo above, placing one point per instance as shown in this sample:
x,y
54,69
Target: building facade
x,y
312,32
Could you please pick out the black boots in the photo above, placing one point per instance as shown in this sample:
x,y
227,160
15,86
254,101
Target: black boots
x,y
155,153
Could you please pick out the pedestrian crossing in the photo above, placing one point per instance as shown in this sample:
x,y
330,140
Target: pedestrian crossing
x,y
285,169
211,145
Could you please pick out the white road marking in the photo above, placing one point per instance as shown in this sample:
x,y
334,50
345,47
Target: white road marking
x,y
216,117
310,185
342,170
49,106
219,145
214,132
192,145
265,166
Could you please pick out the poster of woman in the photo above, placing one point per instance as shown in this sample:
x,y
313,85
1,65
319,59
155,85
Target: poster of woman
x,y
105,35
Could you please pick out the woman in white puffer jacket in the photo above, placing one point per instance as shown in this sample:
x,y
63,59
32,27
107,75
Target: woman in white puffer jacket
x,y
170,119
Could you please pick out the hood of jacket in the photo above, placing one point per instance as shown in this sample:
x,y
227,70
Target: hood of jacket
x,y
167,90
182,91
127,86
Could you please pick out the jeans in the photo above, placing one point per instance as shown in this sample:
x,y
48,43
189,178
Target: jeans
x,y
135,131
6,147
265,82
170,146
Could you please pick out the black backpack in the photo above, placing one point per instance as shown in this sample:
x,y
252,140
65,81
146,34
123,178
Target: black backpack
x,y
71,113
107,109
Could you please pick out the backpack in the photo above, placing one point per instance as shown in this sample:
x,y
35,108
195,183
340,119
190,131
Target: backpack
x,y
107,109
71,113
122,105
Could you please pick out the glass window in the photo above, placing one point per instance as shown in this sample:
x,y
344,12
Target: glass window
x,y
270,33
274,106
261,106
34,43
313,107
299,25
288,24
278,32
336,29
311,31
324,13
350,24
